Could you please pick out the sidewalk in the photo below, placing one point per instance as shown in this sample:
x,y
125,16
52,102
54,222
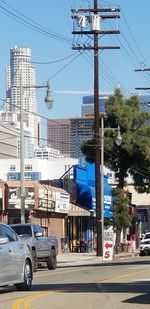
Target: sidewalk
x,y
72,259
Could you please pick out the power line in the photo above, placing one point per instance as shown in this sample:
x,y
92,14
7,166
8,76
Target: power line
x,y
30,23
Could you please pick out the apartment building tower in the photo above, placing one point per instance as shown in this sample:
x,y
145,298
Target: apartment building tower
x,y
20,62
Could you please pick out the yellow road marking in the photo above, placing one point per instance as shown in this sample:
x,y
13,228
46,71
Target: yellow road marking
x,y
120,276
25,301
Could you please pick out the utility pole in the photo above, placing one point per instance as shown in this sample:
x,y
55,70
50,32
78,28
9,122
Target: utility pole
x,y
22,184
88,20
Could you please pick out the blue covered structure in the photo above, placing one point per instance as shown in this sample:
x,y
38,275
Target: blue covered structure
x,y
84,178
81,228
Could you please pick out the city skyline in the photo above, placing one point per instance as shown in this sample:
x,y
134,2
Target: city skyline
x,y
70,73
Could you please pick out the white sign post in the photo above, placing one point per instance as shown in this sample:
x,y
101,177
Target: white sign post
x,y
108,245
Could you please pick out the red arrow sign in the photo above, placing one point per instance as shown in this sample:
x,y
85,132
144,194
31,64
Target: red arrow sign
x,y
107,245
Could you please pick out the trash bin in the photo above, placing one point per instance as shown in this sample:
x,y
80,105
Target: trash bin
x,y
129,248
124,246
64,244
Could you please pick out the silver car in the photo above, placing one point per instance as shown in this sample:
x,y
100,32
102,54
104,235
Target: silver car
x,y
15,260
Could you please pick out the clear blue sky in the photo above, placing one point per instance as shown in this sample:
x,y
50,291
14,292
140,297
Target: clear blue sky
x,y
116,66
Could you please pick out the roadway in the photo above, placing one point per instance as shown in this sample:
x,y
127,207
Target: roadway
x,y
122,283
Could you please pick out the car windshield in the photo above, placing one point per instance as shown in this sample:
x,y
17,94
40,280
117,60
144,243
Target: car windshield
x,y
23,230
146,236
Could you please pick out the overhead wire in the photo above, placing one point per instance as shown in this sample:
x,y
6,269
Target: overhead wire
x,y
28,22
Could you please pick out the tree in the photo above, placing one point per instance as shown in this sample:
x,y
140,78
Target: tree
x,y
132,157
122,218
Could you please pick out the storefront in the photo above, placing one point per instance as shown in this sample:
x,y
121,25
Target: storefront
x,y
44,205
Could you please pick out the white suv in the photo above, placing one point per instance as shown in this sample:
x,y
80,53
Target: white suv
x,y
145,244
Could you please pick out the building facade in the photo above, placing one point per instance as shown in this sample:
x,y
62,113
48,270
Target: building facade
x,y
46,153
36,169
81,129
20,63
87,106
58,135
8,143
45,205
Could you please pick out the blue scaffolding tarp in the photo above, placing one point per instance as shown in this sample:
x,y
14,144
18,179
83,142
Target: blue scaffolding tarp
x,y
85,189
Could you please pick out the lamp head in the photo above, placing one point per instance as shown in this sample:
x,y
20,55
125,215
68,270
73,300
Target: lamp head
x,y
119,137
48,99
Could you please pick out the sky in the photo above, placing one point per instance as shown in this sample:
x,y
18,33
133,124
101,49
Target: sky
x,y
71,74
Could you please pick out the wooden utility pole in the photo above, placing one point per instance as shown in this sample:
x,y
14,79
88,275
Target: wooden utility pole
x,y
92,19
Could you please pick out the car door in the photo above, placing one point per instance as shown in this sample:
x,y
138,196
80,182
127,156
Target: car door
x,y
42,244
6,259
14,250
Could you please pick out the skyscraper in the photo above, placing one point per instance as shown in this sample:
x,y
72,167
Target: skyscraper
x,y
58,135
87,106
20,62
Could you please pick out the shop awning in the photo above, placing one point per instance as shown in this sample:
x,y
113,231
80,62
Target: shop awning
x,y
75,210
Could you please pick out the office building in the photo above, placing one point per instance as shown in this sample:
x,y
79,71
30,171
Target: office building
x,y
81,129
58,135
46,153
87,106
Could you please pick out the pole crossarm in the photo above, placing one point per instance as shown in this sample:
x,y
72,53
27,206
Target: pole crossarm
x,y
142,88
101,16
93,47
97,32
97,10
142,70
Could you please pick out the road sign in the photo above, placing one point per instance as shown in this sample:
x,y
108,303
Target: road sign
x,y
108,245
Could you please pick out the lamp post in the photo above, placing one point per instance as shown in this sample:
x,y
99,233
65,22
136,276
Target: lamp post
x,y
49,104
102,179
118,141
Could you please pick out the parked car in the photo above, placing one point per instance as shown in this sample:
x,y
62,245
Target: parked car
x,y
42,248
15,260
145,244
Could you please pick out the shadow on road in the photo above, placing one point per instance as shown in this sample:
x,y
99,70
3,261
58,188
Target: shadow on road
x,y
104,264
140,287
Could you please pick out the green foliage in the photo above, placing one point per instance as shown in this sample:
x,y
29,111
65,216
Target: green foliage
x,y
133,155
122,218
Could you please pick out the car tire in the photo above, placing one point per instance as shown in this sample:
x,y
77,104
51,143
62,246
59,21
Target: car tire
x,y
52,261
26,285
34,261
142,253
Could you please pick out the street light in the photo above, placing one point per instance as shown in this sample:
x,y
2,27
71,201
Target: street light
x,y
118,141
49,104
119,137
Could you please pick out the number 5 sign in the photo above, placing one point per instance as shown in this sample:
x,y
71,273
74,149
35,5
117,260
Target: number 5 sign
x,y
108,245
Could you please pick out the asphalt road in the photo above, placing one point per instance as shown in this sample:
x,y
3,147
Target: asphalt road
x,y
123,283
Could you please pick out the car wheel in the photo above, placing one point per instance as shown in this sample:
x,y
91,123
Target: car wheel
x,y
52,261
142,253
34,260
26,285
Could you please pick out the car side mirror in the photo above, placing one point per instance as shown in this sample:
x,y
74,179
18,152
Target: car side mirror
x,y
38,234
4,240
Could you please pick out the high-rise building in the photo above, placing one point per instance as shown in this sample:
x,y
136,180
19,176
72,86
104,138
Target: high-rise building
x,y
20,62
58,135
81,129
66,135
87,106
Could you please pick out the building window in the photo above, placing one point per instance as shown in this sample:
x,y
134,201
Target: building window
x,y
12,167
28,167
12,177
28,177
